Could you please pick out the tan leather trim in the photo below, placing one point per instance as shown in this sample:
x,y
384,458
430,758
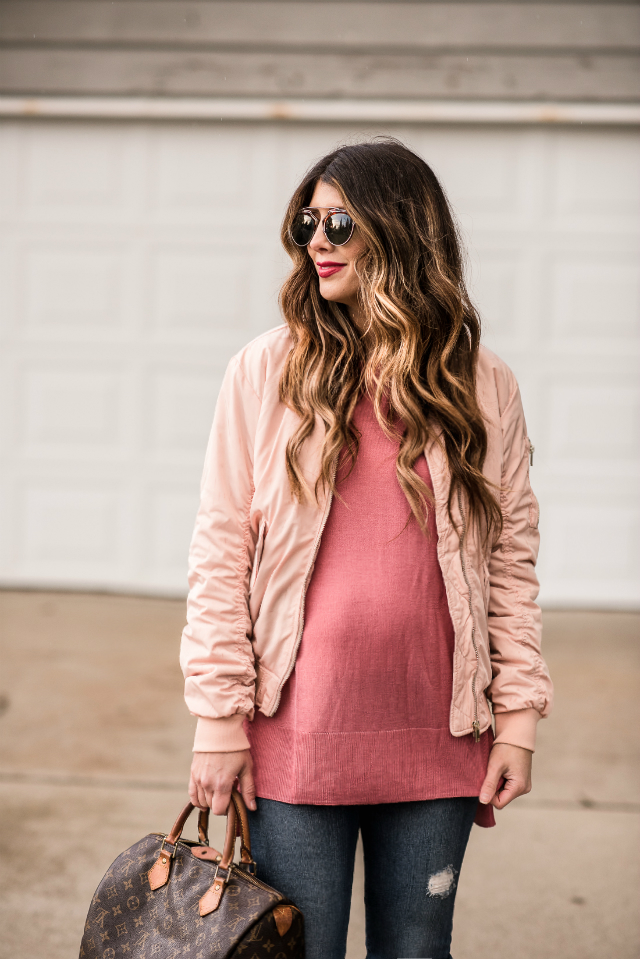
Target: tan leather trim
x,y
159,872
211,899
208,853
283,916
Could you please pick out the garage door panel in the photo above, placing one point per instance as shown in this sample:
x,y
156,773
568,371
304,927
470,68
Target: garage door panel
x,y
503,282
482,177
596,300
11,294
199,289
76,173
169,515
74,290
298,148
181,408
596,180
594,426
592,551
77,411
67,528
200,177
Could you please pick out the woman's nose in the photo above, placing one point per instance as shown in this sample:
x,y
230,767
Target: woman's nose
x,y
319,240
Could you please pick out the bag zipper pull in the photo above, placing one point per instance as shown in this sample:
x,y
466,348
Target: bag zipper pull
x,y
475,725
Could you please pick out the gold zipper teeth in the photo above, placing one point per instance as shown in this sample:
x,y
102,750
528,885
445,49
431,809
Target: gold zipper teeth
x,y
250,878
185,843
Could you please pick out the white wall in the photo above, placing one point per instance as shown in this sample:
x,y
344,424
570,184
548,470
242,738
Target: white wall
x,y
138,257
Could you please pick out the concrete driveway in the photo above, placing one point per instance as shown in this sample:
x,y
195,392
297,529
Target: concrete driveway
x,y
95,750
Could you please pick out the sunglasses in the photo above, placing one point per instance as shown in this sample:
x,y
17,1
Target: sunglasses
x,y
337,225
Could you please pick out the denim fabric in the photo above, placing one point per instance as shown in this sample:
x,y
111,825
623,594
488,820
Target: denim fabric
x,y
413,853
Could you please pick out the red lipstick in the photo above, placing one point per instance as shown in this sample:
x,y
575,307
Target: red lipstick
x,y
328,268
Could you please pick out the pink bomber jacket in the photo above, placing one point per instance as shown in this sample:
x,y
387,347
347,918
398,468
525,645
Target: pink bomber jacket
x,y
254,547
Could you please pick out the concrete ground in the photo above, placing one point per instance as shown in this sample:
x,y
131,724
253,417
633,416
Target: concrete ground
x,y
95,750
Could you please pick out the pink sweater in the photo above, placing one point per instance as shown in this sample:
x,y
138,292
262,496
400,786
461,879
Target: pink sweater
x,y
375,607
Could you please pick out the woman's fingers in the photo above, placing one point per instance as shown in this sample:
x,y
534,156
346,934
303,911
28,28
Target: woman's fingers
x,y
247,787
196,794
511,790
220,800
213,776
512,765
193,792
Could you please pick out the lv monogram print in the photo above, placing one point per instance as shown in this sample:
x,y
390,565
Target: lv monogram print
x,y
128,920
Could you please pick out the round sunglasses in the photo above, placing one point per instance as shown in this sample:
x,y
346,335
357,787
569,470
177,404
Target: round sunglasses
x,y
337,225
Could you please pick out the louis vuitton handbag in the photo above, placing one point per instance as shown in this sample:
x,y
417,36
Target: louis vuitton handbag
x,y
171,898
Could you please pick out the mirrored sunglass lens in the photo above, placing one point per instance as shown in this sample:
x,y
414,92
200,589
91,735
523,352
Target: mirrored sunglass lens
x,y
302,229
338,228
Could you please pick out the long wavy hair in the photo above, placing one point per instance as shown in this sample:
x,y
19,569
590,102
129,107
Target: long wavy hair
x,y
418,359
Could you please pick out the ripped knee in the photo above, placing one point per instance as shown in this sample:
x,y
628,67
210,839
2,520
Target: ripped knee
x,y
442,884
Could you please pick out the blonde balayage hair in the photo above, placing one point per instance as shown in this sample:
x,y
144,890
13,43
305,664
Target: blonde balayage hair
x,y
419,365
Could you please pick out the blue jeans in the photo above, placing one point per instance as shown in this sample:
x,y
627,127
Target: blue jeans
x,y
413,853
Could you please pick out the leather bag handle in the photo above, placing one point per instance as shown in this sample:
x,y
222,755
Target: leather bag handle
x,y
176,830
243,826
203,826
237,823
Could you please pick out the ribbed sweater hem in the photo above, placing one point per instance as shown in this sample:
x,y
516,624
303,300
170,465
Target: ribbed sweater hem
x,y
398,765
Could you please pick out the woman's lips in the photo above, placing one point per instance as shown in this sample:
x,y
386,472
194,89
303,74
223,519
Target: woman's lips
x,y
328,269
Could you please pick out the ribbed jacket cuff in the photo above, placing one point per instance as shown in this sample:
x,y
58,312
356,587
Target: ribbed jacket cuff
x,y
517,728
223,735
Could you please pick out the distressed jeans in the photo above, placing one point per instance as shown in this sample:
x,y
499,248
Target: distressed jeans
x,y
413,853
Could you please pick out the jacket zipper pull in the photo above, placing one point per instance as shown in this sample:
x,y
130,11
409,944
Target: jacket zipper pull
x,y
532,450
475,725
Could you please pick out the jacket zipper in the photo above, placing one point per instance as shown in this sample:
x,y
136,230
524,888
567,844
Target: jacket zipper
x,y
532,450
475,724
316,547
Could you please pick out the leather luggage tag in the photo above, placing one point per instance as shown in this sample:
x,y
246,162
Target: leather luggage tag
x,y
211,899
159,872
208,853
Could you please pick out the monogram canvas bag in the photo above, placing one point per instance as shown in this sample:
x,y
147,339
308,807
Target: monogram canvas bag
x,y
171,898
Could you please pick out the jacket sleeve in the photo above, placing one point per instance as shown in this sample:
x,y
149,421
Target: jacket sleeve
x,y
521,689
216,653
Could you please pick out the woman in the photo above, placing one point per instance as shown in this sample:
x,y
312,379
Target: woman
x,y
362,568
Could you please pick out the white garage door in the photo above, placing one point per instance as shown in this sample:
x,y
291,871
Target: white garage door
x,y
138,257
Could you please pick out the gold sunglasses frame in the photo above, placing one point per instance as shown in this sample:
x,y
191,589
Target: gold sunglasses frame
x,y
312,211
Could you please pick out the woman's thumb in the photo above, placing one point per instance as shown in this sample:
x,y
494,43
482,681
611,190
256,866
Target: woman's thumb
x,y
489,787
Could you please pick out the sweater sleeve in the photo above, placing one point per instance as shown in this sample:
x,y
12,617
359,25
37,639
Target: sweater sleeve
x,y
521,682
216,653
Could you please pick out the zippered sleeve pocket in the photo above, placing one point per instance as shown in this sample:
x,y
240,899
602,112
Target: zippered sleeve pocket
x,y
534,507
262,532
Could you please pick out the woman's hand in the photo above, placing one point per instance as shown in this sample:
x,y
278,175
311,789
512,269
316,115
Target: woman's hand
x,y
213,776
511,764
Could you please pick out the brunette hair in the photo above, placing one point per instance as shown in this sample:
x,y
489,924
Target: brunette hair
x,y
419,365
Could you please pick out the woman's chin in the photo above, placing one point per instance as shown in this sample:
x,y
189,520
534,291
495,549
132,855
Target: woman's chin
x,y
334,292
